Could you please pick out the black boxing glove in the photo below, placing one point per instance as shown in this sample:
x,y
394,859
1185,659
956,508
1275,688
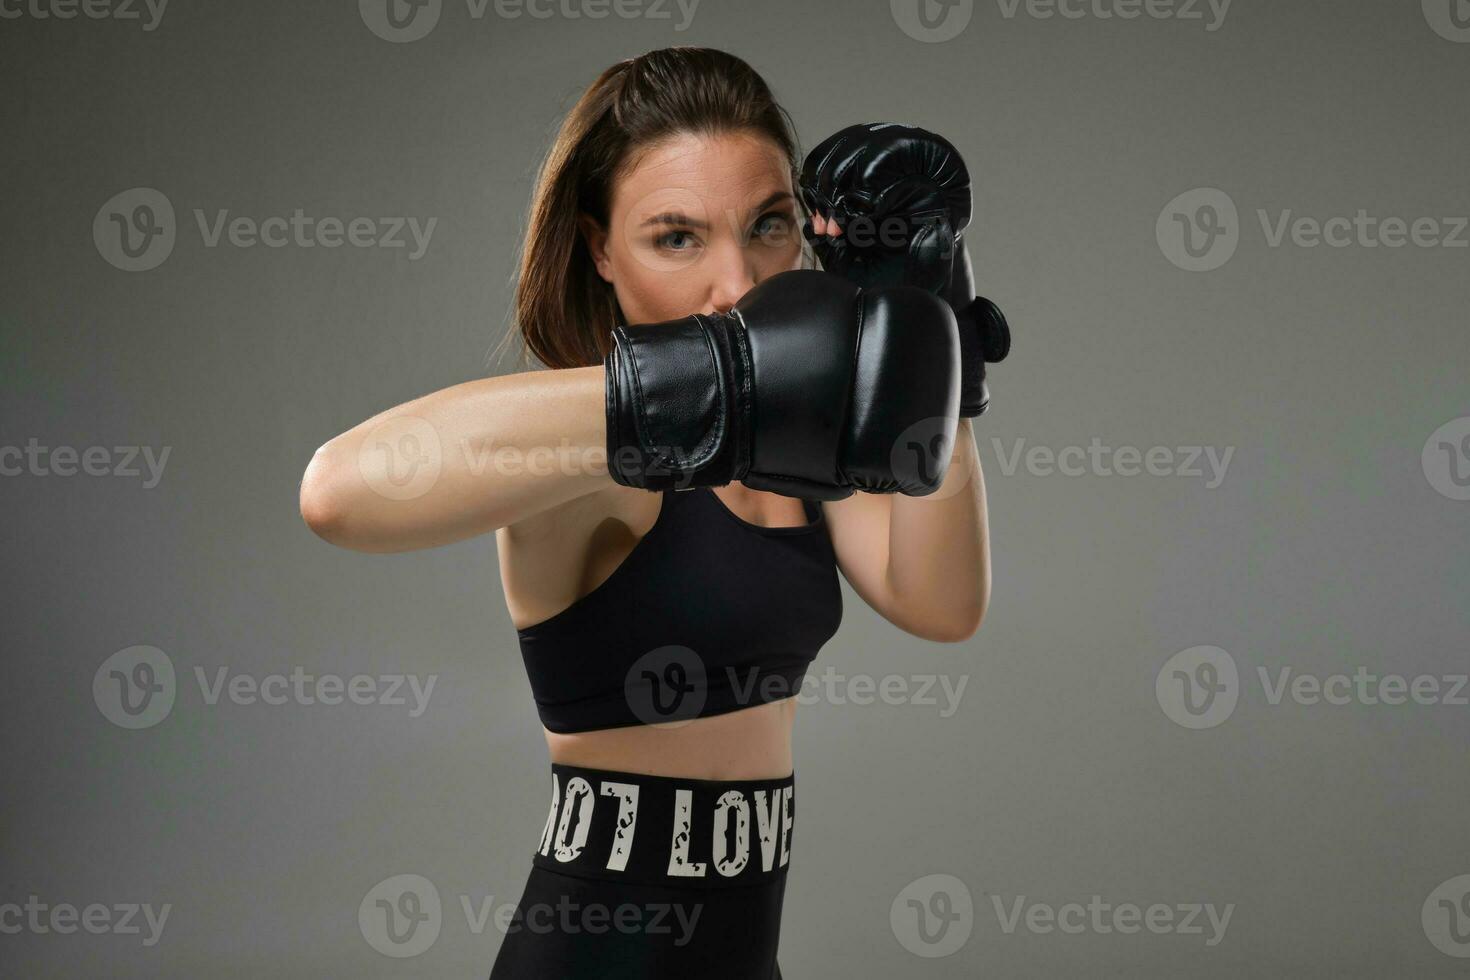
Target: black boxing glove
x,y
809,387
901,196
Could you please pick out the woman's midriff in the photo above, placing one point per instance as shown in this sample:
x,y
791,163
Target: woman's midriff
x,y
752,743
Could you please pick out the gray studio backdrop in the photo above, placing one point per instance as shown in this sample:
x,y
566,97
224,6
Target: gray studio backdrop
x,y
1215,723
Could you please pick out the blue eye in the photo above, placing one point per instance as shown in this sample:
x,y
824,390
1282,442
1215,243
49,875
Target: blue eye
x,y
668,241
774,223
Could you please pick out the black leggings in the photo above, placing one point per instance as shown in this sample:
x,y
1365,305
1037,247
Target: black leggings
x,y
654,877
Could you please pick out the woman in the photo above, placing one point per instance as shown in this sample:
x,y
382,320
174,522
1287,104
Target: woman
x,y
669,191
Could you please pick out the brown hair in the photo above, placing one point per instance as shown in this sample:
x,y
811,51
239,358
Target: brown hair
x,y
564,310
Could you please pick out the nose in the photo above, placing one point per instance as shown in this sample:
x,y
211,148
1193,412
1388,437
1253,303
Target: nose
x,y
731,276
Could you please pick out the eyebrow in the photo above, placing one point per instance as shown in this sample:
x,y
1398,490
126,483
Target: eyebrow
x,y
680,218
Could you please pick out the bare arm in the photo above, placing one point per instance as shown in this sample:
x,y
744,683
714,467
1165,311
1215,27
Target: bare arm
x,y
460,462
923,563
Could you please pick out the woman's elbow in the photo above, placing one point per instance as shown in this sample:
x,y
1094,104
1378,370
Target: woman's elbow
x,y
958,624
321,508
957,629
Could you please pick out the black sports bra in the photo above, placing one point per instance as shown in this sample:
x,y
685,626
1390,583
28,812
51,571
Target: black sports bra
x,y
708,614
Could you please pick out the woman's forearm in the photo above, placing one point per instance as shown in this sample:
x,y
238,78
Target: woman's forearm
x,y
460,462
939,549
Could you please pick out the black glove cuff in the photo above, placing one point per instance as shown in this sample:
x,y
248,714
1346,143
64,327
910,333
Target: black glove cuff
x,y
985,336
675,410
991,329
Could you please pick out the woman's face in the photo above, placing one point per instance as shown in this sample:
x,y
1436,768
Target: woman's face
x,y
695,223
